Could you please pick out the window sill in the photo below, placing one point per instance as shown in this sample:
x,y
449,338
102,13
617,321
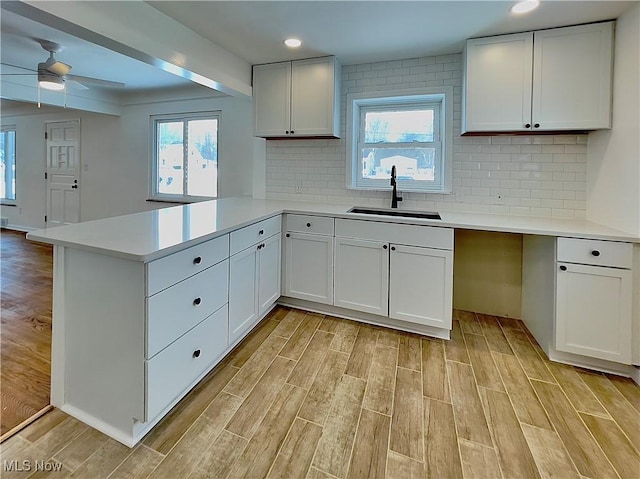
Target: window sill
x,y
400,190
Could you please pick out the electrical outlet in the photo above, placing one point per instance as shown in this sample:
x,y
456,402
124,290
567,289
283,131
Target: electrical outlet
x,y
298,189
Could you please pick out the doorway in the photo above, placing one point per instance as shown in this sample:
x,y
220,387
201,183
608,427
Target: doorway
x,y
63,172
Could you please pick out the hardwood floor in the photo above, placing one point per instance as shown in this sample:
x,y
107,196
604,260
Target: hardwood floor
x,y
313,396
26,273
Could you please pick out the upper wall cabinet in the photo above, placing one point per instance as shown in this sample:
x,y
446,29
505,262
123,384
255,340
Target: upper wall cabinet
x,y
297,99
549,80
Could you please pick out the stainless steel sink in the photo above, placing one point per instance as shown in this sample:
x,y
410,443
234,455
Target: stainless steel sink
x,y
429,215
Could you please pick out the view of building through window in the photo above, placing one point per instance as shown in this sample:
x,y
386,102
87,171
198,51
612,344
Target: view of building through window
x,y
187,157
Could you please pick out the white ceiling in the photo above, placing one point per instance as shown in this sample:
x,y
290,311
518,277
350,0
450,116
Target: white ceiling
x,y
368,31
354,31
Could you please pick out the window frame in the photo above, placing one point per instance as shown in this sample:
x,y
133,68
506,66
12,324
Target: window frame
x,y
12,128
359,103
154,194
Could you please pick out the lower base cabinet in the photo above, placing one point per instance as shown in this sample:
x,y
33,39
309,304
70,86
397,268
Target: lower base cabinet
x,y
254,284
421,285
309,267
593,311
361,275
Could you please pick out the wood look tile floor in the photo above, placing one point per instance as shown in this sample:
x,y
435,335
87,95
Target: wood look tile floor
x,y
312,396
26,273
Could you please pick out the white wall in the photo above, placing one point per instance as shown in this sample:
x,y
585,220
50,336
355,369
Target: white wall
x,y
115,154
613,163
541,175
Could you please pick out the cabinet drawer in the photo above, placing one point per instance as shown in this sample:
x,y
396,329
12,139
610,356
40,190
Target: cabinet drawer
x,y
253,234
410,235
596,252
171,269
310,224
177,309
172,371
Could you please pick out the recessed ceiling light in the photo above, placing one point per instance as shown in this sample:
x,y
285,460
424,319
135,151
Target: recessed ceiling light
x,y
525,6
292,42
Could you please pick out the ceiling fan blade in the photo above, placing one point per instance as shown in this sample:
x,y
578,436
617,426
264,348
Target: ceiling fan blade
x,y
95,81
59,68
21,68
76,85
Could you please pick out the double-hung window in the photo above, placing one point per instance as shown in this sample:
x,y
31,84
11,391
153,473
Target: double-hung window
x,y
185,156
8,164
410,130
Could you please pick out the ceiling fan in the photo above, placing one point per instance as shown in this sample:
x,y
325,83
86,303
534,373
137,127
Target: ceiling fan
x,y
54,75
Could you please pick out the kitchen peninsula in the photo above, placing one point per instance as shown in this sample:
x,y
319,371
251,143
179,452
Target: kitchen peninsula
x,y
146,304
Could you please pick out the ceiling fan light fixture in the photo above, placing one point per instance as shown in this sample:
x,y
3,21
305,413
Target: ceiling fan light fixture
x,y
525,6
50,82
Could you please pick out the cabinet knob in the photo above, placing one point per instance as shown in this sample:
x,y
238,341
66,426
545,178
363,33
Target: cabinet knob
x,y
528,125
259,246
261,232
197,301
393,248
286,132
595,252
537,125
197,260
292,132
196,353
563,268
384,246
308,225
288,235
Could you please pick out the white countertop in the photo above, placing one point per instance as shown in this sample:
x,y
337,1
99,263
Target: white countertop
x,y
153,234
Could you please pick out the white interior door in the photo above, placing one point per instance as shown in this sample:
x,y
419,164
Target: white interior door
x,y
63,172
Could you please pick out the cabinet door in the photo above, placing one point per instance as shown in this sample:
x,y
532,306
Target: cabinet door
x,y
572,77
269,274
593,311
421,285
272,99
309,267
498,83
243,292
313,93
361,276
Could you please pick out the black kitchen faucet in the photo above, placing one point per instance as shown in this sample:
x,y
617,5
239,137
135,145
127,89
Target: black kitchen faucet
x,y
394,198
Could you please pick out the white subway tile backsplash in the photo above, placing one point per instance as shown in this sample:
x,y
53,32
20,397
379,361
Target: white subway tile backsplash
x,y
541,175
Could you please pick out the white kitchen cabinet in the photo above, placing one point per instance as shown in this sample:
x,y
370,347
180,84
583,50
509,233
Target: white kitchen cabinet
x,y
243,291
297,99
309,267
269,273
593,302
254,284
361,275
549,80
421,285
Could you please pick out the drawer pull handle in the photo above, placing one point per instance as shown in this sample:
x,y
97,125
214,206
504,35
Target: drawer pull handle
x,y
595,252
197,301
197,260
261,232
308,225
196,353
563,268
384,246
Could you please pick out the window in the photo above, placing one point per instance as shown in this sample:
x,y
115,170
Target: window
x,y
8,165
409,129
185,157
